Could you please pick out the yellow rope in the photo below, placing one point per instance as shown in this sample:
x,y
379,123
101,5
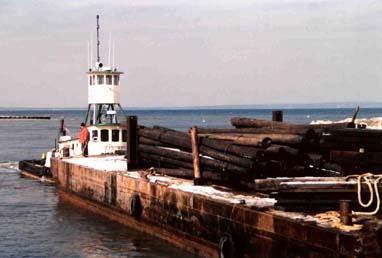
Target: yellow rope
x,y
332,219
367,178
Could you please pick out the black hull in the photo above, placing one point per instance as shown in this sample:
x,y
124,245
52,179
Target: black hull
x,y
34,167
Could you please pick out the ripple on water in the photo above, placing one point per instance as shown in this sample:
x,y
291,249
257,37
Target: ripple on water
x,y
35,223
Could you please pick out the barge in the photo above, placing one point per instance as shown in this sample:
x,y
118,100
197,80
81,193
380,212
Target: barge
x,y
215,209
210,221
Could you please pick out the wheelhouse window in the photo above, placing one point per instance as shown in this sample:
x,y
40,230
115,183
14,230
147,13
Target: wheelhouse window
x,y
104,135
124,135
115,135
90,80
116,79
109,79
95,135
100,79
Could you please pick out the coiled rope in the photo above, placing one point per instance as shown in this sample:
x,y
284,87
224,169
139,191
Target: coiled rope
x,y
367,178
332,219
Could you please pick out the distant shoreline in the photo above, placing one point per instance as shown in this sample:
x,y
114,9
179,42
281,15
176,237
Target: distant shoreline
x,y
345,105
7,118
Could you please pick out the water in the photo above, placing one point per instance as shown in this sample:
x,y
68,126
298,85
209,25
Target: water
x,y
33,221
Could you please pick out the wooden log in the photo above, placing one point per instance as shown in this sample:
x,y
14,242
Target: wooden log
x,y
187,157
175,138
195,155
251,140
188,173
166,152
228,146
316,160
354,157
322,187
148,141
346,146
163,128
308,133
273,184
242,162
242,122
262,140
355,139
355,132
281,151
222,166
164,161
269,168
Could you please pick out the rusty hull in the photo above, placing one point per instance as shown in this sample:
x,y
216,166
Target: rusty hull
x,y
196,222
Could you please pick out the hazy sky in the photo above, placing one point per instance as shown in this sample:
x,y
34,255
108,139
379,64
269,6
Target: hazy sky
x,y
194,53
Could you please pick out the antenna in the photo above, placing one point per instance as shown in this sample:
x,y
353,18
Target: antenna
x,y
98,58
113,54
109,49
91,49
88,50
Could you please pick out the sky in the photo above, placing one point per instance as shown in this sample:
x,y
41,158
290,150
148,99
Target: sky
x,y
193,53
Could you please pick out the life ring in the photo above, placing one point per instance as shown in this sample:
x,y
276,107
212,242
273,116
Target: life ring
x,y
226,246
135,206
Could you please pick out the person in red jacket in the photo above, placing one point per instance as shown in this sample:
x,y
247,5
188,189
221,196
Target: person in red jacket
x,y
84,139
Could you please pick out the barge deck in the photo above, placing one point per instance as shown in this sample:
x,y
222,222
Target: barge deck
x,y
210,221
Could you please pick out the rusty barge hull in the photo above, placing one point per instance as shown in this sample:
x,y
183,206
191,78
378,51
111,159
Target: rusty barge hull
x,y
201,223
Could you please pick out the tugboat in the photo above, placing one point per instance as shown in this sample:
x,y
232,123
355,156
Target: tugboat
x,y
107,134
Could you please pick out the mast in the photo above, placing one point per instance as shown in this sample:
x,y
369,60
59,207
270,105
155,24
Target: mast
x,y
103,91
98,43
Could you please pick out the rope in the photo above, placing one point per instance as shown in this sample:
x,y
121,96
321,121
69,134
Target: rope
x,y
332,219
367,178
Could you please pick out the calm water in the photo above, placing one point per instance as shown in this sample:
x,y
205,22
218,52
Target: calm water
x,y
34,223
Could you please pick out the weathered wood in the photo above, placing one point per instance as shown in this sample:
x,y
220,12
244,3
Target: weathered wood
x,y
242,122
251,140
188,173
61,130
322,187
162,161
269,168
148,141
273,184
228,146
179,139
261,140
187,157
348,146
163,128
242,162
166,152
355,132
132,142
277,115
307,132
195,155
355,157
281,151
316,159
354,139
222,166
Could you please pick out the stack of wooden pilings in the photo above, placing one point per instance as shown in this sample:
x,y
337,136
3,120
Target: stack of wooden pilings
x,y
311,161
355,150
266,149
320,193
170,152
